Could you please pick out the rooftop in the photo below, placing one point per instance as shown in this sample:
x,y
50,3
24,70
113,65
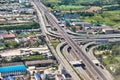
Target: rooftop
x,y
12,68
8,35
11,64
37,75
80,23
39,62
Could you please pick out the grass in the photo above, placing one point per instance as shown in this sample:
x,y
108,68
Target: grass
x,y
52,1
79,1
111,18
118,58
54,44
35,57
72,7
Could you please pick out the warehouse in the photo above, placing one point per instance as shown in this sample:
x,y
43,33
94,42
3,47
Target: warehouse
x,y
12,70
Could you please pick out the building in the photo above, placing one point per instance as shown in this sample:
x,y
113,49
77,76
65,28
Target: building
x,y
13,70
37,76
8,78
77,28
22,1
59,77
97,28
8,36
26,10
64,73
40,63
1,34
84,25
43,76
108,30
11,78
1,37
11,64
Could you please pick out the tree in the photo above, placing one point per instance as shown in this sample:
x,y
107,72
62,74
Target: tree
x,y
16,59
67,2
11,44
73,29
118,2
3,60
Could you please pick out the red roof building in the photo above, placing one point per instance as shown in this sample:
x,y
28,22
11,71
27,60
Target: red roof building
x,y
8,36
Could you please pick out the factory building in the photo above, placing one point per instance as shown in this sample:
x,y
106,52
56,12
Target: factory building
x,y
13,70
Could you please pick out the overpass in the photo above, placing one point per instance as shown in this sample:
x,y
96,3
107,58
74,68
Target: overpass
x,y
95,72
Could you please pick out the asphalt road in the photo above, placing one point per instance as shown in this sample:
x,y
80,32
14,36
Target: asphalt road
x,y
96,73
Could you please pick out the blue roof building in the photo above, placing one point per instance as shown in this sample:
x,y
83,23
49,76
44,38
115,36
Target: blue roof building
x,y
12,70
10,78
37,76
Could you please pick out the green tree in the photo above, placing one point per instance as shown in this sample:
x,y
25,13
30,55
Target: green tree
x,y
118,2
3,60
67,2
16,59
73,29
11,44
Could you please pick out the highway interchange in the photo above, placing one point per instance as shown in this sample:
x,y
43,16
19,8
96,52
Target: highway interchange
x,y
93,72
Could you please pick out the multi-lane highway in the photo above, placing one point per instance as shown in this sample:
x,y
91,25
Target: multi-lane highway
x,y
82,72
58,55
65,63
96,73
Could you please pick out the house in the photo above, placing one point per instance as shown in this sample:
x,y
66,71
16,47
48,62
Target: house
x,y
22,1
32,37
1,37
84,25
97,28
1,34
59,77
8,78
107,30
8,36
77,28
26,10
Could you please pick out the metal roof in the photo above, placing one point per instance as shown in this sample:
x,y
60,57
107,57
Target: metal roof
x,y
39,62
37,76
10,78
12,68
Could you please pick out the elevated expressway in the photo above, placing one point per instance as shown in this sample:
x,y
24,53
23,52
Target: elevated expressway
x,y
58,55
95,72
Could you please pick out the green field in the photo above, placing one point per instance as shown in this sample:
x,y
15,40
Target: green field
x,y
54,44
111,18
72,7
79,1
34,57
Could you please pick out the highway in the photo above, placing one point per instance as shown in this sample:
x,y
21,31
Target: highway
x,y
65,63
91,67
79,69
68,56
58,55
94,59
95,72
